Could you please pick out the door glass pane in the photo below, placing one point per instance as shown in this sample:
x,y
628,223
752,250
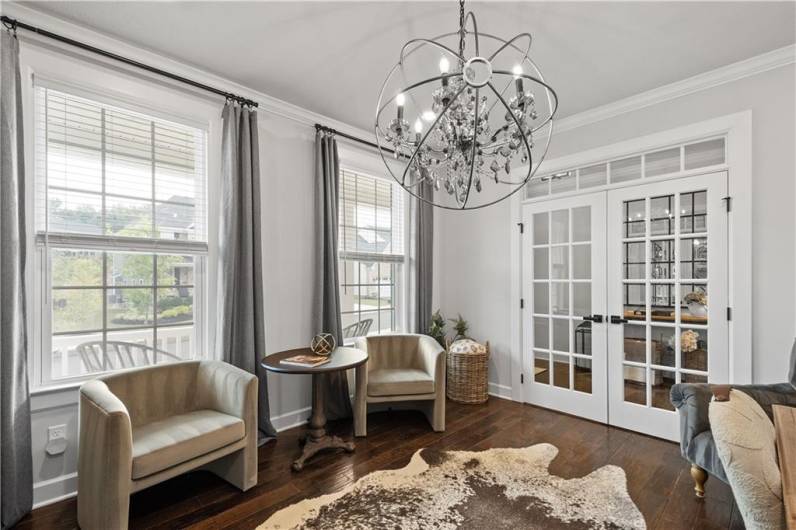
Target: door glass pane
x,y
541,367
561,371
694,303
541,298
662,381
541,263
635,301
537,188
581,299
693,212
559,299
559,226
634,260
662,302
581,341
560,262
662,259
662,215
562,184
694,258
693,378
541,333
540,228
694,349
662,346
635,384
581,224
582,374
581,262
635,343
561,334
635,217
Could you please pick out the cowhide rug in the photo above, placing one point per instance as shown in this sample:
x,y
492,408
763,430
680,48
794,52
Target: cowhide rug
x,y
497,488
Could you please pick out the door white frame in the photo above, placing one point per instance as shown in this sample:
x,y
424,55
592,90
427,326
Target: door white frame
x,y
737,128
593,404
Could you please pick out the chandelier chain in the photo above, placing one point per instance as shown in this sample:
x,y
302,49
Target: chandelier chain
x,y
461,33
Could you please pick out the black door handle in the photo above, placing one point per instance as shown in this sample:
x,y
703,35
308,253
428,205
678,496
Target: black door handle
x,y
594,318
616,319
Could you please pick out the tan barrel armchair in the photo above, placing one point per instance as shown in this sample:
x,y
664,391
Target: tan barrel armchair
x,y
143,426
401,368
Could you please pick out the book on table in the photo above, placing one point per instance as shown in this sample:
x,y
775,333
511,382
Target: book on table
x,y
306,361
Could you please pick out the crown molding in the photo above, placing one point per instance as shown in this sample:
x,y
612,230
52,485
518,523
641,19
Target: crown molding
x,y
722,75
268,104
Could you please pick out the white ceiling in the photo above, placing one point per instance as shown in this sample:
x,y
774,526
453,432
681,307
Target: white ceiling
x,y
331,57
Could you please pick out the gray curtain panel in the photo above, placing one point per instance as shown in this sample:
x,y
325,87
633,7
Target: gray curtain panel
x,y
16,486
240,329
327,293
424,252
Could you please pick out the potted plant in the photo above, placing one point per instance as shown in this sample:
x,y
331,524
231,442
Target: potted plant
x,y
460,326
436,328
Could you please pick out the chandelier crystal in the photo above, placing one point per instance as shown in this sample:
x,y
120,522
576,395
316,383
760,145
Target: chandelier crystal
x,y
461,136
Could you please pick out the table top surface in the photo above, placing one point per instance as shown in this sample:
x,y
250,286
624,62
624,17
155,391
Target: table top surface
x,y
342,358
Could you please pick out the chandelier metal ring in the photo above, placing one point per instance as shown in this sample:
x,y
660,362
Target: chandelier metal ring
x,y
457,144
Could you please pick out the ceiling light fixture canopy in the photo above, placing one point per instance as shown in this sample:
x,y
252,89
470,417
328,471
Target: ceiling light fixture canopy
x,y
466,128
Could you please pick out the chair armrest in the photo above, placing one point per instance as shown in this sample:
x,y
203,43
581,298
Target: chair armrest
x,y
692,401
228,389
432,358
105,451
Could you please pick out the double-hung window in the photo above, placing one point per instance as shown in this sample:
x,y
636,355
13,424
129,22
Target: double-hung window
x,y
121,234
371,251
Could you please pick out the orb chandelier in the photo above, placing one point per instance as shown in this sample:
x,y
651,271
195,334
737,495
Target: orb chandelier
x,y
460,136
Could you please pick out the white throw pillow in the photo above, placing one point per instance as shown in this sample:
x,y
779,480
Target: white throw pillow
x,y
746,442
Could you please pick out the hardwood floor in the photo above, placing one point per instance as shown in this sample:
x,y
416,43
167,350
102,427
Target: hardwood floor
x,y
658,478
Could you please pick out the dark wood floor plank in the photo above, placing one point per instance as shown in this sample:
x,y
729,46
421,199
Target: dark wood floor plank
x,y
658,478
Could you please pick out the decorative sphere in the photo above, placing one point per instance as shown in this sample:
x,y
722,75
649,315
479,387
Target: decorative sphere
x,y
322,344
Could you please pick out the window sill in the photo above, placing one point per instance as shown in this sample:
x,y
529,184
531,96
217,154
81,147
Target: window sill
x,y
56,387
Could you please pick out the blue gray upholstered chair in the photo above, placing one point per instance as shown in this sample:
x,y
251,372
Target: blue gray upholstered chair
x,y
696,440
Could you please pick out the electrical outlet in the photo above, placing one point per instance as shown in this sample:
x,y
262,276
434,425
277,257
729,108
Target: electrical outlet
x,y
56,432
56,440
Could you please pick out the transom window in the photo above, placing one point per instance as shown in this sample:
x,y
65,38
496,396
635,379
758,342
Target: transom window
x,y
122,236
371,251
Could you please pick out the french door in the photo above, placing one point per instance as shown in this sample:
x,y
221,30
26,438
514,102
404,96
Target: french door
x,y
564,285
667,277
624,300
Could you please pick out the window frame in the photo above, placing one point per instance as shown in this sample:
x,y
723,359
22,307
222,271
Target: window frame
x,y
368,164
204,252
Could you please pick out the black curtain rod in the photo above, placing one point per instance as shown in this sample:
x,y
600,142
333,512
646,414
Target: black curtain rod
x,y
324,128
13,24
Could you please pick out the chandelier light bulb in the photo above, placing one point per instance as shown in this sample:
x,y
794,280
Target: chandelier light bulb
x,y
428,115
400,99
517,71
444,65
418,126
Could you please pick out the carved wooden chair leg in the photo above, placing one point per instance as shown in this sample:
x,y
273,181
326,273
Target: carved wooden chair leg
x,y
700,476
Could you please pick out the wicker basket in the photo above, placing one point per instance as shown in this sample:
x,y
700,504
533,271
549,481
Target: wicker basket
x,y
468,374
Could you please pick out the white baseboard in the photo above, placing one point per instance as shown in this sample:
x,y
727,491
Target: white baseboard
x,y
291,419
55,489
501,391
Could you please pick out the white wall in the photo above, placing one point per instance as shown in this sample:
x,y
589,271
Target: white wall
x,y
475,246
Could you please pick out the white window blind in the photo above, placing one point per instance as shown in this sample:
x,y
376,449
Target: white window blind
x,y
371,252
109,173
121,221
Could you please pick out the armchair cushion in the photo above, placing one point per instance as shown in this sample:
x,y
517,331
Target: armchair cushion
x,y
176,439
399,382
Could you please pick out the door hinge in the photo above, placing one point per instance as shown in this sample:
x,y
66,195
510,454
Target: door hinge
x,y
727,202
522,379
729,313
522,303
522,227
